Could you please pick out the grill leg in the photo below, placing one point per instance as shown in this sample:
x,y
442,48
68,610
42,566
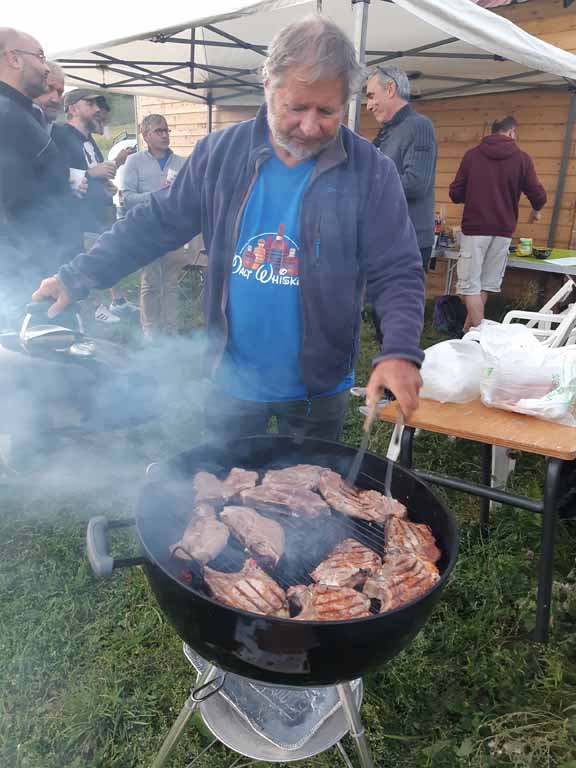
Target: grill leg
x,y
356,728
177,730
546,563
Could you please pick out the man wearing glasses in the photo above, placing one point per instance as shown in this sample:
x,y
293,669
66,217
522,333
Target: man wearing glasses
x,y
146,172
408,139
34,191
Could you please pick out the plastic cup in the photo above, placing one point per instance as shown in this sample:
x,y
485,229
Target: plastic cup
x,y
77,176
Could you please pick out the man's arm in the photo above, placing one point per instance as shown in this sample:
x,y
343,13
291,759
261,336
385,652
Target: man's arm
x,y
532,187
147,232
457,189
419,161
131,186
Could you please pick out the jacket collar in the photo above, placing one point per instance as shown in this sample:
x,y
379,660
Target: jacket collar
x,y
261,149
398,118
16,96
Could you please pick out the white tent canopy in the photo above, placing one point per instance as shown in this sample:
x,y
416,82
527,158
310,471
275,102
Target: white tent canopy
x,y
448,47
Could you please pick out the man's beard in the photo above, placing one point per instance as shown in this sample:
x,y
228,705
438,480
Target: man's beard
x,y
35,88
297,150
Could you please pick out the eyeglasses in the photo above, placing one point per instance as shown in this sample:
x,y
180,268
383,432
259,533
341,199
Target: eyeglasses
x,y
160,131
387,76
38,54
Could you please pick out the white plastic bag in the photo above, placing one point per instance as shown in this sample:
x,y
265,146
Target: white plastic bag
x,y
451,371
522,375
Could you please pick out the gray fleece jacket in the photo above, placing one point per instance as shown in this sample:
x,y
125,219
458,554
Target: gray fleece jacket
x,y
409,140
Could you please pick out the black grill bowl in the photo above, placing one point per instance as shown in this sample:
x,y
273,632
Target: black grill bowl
x,y
273,650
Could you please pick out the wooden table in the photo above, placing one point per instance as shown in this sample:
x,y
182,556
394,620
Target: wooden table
x,y
550,265
492,427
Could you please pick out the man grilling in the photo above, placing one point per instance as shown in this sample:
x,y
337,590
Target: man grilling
x,y
299,216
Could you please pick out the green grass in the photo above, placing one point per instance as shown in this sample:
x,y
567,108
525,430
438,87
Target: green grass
x,y
91,675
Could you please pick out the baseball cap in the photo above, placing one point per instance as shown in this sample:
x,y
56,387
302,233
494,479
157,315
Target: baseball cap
x,y
79,94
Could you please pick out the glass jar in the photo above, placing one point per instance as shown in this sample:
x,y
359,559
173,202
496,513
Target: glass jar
x,y
525,246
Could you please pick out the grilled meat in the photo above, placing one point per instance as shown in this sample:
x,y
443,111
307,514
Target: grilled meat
x,y
239,480
301,475
263,537
208,488
353,502
250,589
347,566
204,537
401,579
286,500
404,537
322,603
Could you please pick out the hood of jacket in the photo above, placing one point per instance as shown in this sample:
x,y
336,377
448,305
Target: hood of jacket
x,y
498,147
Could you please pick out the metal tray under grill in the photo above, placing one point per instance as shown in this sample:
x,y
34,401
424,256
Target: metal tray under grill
x,y
292,723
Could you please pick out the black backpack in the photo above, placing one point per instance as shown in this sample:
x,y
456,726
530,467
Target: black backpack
x,y
449,315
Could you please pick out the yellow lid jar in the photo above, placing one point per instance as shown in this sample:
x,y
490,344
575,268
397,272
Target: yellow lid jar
x,y
524,247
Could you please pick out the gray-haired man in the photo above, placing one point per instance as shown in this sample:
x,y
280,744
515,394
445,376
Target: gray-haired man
x,y
408,139
300,217
145,172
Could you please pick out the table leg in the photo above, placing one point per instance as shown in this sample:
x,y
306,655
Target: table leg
x,y
486,480
546,564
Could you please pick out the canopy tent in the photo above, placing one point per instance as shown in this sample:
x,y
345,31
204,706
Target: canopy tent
x,y
448,47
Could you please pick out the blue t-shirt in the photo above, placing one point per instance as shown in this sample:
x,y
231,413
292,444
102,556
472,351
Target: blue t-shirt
x,y
261,361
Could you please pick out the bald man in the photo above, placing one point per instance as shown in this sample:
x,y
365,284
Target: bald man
x,y
36,226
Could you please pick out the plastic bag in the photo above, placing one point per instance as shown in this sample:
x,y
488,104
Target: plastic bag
x,y
522,375
451,371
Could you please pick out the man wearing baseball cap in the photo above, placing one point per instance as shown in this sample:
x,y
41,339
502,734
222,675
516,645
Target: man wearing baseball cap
x,y
86,113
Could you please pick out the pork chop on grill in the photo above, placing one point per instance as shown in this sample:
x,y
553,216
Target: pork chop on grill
x,y
347,566
301,475
250,589
208,488
322,603
354,502
403,537
285,500
204,537
263,537
401,579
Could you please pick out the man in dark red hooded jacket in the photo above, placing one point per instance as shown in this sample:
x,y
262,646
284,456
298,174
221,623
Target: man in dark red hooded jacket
x,y
489,182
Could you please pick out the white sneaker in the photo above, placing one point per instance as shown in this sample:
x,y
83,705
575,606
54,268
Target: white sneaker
x,y
125,311
103,315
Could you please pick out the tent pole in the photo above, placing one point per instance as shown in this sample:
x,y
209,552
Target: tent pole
x,y
210,114
360,11
566,151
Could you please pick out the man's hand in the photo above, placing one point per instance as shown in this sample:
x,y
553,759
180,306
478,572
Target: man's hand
x,y
80,189
123,155
402,378
534,216
52,288
110,188
105,170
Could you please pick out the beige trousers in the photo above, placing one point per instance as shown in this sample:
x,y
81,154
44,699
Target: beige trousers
x,y
159,288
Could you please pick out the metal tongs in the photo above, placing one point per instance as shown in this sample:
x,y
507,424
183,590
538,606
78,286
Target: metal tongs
x,y
357,463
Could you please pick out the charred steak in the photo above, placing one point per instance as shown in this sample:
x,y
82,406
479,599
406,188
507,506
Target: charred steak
x,y
301,475
353,502
347,566
286,500
322,603
404,537
250,589
204,537
263,537
401,579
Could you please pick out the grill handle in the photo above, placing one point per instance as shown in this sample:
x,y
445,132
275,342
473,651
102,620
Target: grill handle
x,y
101,561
